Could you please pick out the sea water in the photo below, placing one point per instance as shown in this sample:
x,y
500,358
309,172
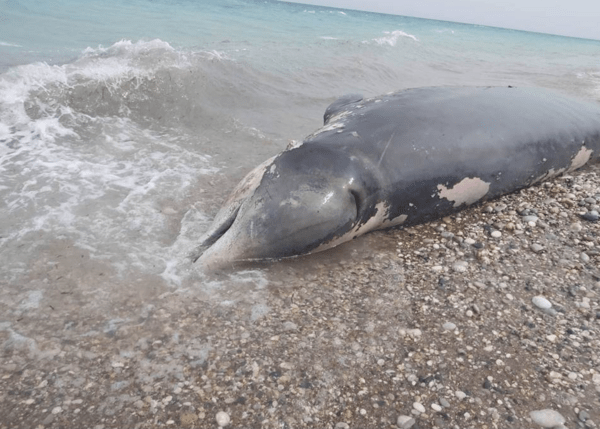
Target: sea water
x,y
125,124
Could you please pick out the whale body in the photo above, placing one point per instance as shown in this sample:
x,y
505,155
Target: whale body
x,y
402,158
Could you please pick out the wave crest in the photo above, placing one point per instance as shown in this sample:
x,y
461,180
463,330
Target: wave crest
x,y
392,37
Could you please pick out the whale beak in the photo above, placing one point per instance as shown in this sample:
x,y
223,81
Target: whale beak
x,y
275,223
222,246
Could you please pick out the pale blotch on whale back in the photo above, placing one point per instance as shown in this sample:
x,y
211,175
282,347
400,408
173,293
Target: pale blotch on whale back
x,y
249,183
334,123
582,157
467,191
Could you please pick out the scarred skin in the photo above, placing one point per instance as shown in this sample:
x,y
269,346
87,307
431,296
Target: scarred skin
x,y
402,158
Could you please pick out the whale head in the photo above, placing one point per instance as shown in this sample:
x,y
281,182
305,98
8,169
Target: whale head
x,y
302,201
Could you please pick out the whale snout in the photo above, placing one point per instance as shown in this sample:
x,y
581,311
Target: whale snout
x,y
281,220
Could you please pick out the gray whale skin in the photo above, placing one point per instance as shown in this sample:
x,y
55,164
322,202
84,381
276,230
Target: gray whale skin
x,y
402,158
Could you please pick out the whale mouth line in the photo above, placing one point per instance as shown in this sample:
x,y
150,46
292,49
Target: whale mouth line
x,y
215,236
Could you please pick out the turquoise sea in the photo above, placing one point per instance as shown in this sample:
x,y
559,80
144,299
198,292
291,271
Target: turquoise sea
x,y
124,124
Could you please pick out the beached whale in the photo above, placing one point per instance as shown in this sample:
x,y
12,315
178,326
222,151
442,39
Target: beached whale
x,y
405,157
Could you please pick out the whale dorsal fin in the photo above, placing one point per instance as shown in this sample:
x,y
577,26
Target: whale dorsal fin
x,y
339,104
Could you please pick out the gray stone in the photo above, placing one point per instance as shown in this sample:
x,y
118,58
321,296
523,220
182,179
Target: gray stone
x,y
536,247
592,216
290,326
547,418
541,302
460,394
460,266
419,407
222,418
405,422
583,415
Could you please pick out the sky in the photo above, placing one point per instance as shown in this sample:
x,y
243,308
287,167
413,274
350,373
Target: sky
x,y
574,18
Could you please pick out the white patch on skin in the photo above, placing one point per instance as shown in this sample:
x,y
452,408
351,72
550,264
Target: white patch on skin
x,y
467,191
290,201
272,169
399,220
327,198
582,157
250,182
293,144
334,123
378,221
551,173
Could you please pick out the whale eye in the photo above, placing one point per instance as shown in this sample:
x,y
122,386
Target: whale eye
x,y
357,201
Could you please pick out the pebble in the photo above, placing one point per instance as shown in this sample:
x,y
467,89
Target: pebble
x,y
496,234
342,425
592,216
530,218
419,407
547,418
415,333
449,326
583,415
536,247
460,266
460,395
222,418
290,326
541,302
56,410
576,227
436,407
584,257
405,422
444,403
